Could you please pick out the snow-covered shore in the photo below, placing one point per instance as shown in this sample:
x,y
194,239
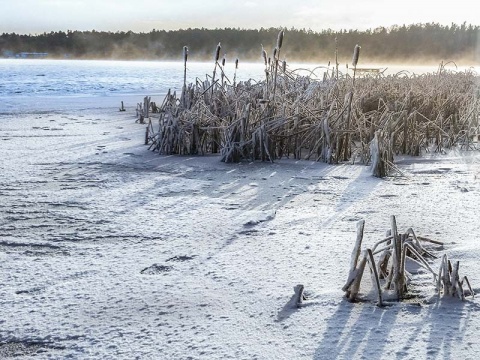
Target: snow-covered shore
x,y
110,251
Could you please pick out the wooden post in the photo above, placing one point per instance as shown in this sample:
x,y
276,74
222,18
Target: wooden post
x,y
299,297
146,106
146,134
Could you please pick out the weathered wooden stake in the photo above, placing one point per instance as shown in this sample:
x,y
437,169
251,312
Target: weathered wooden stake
x,y
299,296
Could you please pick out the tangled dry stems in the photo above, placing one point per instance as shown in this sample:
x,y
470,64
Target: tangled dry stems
x,y
333,119
390,276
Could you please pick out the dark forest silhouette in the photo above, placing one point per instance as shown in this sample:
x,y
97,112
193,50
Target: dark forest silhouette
x,y
415,43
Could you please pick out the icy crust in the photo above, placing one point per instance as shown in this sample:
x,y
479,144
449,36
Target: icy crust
x,y
110,251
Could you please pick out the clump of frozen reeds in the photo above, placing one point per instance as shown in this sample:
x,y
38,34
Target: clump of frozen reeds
x,y
388,259
372,122
448,281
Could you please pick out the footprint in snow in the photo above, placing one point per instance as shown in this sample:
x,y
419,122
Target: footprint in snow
x,y
252,218
181,258
156,269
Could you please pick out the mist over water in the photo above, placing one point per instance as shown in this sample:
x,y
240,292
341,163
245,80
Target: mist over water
x,y
42,85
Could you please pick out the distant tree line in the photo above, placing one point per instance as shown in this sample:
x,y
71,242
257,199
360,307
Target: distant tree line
x,y
406,43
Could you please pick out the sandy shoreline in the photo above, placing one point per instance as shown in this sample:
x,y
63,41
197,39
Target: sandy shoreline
x,y
110,251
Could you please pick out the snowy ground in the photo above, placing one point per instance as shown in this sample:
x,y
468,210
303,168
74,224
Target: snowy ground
x,y
109,251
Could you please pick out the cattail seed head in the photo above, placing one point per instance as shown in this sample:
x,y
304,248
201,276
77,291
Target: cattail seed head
x,y
275,52
236,63
280,39
356,55
284,66
223,60
264,55
185,53
217,52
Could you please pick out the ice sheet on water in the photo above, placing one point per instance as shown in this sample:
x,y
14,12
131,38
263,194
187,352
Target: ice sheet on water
x,y
103,217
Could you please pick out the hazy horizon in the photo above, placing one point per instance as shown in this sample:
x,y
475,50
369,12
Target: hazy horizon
x,y
39,16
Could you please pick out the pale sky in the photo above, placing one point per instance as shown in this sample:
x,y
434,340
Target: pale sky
x,y
38,16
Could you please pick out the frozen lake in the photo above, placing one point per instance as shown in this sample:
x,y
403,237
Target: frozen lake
x,y
111,251
45,85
